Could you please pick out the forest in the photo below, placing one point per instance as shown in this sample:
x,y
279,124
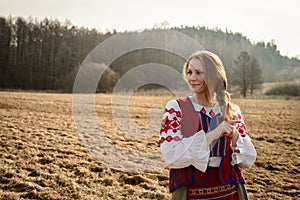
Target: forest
x,y
46,54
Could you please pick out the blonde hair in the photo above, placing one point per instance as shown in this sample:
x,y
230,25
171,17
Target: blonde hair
x,y
214,70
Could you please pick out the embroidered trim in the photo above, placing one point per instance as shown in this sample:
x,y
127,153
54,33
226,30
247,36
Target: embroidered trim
x,y
172,110
169,139
211,190
211,113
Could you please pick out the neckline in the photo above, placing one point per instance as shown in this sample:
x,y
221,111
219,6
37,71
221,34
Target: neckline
x,y
211,108
208,107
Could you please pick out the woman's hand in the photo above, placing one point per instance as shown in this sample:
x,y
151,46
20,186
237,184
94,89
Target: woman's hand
x,y
229,129
226,128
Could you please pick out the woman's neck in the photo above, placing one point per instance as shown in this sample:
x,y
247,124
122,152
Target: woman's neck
x,y
201,99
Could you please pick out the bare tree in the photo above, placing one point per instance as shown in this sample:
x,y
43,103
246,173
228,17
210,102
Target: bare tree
x,y
241,72
255,74
246,73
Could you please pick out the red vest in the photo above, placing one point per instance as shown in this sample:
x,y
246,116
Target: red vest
x,y
192,122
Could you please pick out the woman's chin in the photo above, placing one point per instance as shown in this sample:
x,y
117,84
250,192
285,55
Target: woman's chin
x,y
197,90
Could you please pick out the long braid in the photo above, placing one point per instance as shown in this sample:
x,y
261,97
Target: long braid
x,y
224,99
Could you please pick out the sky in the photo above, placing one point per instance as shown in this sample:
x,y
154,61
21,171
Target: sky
x,y
258,20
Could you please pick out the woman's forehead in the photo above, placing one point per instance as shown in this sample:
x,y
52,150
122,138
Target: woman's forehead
x,y
196,63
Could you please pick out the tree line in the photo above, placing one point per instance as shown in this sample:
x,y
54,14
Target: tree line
x,y
46,55
40,55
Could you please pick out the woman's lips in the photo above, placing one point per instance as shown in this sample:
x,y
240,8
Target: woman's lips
x,y
194,85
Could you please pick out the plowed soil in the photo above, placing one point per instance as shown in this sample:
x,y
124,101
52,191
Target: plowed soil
x,y
42,155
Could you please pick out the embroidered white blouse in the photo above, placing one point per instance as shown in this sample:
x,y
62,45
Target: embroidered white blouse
x,y
180,152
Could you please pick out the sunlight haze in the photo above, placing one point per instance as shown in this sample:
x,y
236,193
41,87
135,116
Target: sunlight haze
x,y
267,20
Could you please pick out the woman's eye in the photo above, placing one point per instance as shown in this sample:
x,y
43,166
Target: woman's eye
x,y
188,72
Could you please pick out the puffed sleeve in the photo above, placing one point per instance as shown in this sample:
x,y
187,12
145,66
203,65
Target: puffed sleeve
x,y
178,151
244,154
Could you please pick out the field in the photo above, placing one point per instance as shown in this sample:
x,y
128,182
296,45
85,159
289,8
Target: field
x,y
42,156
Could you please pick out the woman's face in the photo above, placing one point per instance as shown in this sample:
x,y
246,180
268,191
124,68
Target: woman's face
x,y
195,76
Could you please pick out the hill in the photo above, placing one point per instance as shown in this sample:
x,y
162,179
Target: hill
x,y
46,55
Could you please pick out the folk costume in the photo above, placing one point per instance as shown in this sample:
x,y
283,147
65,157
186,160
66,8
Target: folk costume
x,y
198,169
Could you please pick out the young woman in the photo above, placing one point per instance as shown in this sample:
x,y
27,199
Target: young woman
x,y
203,137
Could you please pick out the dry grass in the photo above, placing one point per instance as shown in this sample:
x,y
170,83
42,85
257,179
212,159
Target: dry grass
x,y
42,156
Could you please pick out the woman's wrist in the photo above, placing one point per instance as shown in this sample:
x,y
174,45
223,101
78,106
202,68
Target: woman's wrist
x,y
235,137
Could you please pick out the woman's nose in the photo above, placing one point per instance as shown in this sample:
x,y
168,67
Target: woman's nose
x,y
192,76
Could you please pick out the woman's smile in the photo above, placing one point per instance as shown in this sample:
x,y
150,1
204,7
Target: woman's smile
x,y
194,85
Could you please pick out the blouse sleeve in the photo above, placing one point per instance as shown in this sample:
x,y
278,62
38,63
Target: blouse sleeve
x,y
178,151
244,154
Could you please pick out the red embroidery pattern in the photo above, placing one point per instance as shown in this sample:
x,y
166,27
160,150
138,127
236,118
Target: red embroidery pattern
x,y
172,110
203,110
169,139
241,127
211,113
171,123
